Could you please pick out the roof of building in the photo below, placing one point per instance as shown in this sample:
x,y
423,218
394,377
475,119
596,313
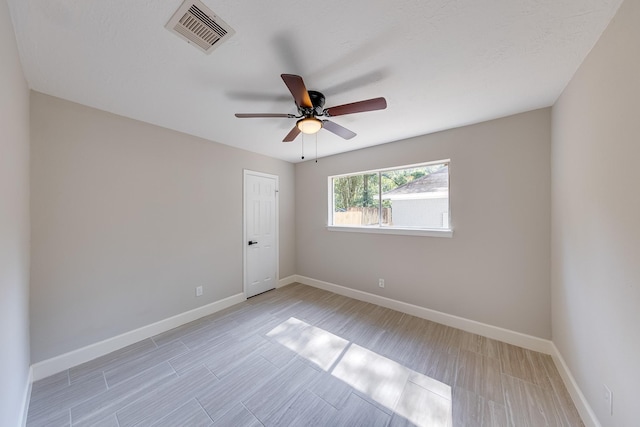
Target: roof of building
x,y
437,181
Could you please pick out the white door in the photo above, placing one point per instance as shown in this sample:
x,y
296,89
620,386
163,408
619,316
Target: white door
x,y
261,232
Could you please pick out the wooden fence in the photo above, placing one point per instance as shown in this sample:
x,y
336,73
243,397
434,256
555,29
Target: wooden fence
x,y
361,216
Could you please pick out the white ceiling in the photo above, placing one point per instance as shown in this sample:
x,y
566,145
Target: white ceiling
x,y
439,63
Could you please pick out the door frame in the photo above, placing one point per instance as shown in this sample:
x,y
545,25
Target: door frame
x,y
246,172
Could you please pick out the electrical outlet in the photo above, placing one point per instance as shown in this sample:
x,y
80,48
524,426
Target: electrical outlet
x,y
608,397
381,283
199,291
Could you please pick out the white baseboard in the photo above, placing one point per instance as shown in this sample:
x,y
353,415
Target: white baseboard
x,y
26,398
65,361
286,281
516,338
76,357
584,409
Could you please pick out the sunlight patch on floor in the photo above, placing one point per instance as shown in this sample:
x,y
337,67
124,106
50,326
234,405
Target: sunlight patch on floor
x,y
314,344
380,378
418,398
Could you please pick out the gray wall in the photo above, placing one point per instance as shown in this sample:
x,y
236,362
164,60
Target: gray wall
x,y
596,214
128,218
495,269
14,226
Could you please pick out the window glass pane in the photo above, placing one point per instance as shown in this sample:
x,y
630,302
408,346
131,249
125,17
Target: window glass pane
x,y
355,200
416,197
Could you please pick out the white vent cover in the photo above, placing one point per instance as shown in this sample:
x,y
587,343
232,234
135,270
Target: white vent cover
x,y
199,26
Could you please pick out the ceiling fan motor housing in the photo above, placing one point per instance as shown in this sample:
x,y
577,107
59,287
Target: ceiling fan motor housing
x,y
317,100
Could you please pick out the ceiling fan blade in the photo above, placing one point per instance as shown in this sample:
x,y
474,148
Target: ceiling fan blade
x,y
357,107
258,115
298,90
292,134
337,129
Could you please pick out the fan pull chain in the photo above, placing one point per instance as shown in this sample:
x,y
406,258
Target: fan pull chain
x,y
302,147
316,147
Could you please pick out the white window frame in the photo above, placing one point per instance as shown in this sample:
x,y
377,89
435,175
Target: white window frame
x,y
406,231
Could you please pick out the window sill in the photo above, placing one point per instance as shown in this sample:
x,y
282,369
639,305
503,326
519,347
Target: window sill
x,y
397,231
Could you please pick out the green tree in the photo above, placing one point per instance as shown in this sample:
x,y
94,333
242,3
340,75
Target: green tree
x,y
362,190
346,190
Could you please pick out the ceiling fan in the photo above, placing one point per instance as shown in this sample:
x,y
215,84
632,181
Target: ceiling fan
x,y
310,105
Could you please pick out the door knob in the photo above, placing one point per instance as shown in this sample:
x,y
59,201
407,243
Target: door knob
x,y
251,242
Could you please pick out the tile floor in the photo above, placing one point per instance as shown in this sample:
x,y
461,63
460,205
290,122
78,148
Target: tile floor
x,y
300,356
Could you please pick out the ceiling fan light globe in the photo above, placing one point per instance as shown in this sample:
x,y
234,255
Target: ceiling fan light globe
x,y
309,125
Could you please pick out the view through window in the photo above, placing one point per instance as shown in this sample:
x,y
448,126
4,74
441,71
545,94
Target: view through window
x,y
408,197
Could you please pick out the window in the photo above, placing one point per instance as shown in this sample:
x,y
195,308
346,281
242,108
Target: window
x,y
410,199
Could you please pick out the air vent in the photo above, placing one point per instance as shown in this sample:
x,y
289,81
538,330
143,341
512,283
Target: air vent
x,y
198,25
